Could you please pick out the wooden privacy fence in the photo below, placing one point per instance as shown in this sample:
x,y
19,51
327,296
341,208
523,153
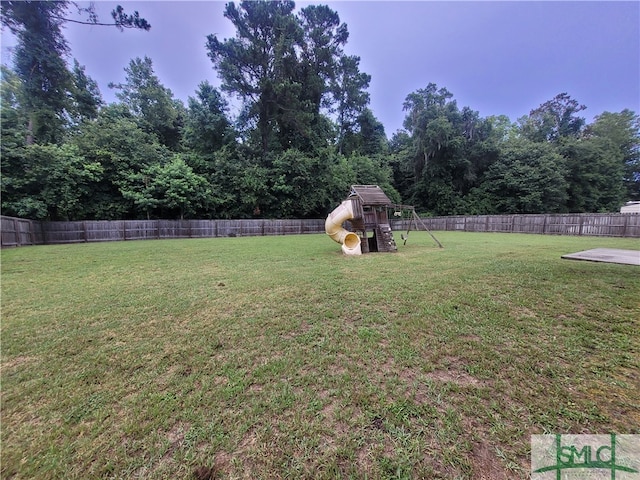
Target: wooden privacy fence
x,y
19,231
588,224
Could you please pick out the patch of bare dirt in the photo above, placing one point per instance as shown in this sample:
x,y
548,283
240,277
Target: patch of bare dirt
x,y
407,375
453,376
328,411
470,338
164,379
336,370
220,380
520,312
388,367
365,459
176,437
15,362
256,388
222,460
453,372
301,330
486,464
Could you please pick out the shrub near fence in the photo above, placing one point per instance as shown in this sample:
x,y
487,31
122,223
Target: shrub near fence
x,y
18,231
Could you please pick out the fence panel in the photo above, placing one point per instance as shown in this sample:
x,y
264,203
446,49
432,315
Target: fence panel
x,y
174,229
500,223
603,225
255,227
203,228
563,224
142,230
632,226
479,223
16,232
64,232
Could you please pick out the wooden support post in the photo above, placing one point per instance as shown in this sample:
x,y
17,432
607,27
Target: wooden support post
x,y
16,232
418,219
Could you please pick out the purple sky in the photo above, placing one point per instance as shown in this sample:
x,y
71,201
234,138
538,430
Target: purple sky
x,y
495,57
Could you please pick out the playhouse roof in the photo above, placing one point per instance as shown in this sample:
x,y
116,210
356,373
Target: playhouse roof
x,y
370,195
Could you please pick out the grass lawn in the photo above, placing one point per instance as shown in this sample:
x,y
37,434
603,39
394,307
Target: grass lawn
x,y
278,357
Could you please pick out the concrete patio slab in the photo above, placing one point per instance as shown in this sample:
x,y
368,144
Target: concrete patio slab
x,y
608,255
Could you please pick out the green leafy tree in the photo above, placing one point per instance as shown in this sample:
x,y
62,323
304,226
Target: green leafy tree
x,y
40,64
450,150
173,188
307,185
257,64
207,126
151,104
372,139
286,69
349,91
320,54
12,139
53,183
241,185
142,192
320,51
553,120
502,128
400,154
298,184
86,97
595,171
429,121
365,136
622,131
12,116
528,177
116,142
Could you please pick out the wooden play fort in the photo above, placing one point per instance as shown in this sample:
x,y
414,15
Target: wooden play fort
x,y
366,211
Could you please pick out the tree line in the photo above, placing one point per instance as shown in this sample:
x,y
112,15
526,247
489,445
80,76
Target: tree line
x,y
303,134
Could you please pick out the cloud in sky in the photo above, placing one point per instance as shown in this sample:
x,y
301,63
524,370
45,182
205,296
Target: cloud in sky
x,y
495,57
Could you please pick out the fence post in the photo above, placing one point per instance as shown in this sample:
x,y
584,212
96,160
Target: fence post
x,y
16,232
32,236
